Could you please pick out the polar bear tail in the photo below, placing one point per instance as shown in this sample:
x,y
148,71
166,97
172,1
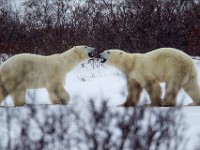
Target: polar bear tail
x,y
3,92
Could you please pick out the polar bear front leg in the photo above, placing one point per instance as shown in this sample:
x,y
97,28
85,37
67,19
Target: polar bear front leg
x,y
19,97
58,95
63,96
134,92
170,99
154,90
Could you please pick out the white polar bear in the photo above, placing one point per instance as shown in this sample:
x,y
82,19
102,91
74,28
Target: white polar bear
x,y
168,65
24,71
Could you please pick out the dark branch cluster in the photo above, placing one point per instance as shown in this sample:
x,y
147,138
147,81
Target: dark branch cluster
x,y
97,127
47,27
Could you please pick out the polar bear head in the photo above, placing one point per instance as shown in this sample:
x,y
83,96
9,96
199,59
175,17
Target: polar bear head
x,y
84,52
111,56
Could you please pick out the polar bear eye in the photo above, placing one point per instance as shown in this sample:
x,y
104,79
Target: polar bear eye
x,y
86,47
108,52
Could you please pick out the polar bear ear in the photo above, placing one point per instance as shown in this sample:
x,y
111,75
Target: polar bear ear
x,y
75,48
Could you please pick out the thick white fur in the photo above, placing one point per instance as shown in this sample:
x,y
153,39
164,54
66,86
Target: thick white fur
x,y
146,71
24,71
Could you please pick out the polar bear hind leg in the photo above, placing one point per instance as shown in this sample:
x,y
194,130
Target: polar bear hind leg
x,y
193,90
58,95
3,92
15,88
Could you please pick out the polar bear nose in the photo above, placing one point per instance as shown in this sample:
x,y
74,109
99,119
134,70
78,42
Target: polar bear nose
x,y
101,58
93,53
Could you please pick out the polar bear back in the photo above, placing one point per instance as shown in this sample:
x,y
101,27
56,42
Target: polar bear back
x,y
28,70
166,63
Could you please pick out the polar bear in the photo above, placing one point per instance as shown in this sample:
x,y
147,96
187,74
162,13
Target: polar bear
x,y
24,71
168,65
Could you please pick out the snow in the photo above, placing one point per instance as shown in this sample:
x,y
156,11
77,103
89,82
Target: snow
x,y
101,82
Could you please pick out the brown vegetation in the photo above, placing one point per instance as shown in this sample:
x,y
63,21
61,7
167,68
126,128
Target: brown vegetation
x,y
48,27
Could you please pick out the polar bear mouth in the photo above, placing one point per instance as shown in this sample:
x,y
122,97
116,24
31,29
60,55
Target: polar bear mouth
x,y
103,60
92,54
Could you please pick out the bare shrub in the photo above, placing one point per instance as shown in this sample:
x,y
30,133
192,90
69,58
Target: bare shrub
x,y
48,27
67,127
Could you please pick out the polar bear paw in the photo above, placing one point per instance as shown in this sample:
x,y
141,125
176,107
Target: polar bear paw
x,y
168,103
194,104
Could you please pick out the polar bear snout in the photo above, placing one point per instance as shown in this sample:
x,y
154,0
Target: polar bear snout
x,y
102,59
92,53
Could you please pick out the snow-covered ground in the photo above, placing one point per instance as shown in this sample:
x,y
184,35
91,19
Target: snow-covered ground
x,y
103,82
